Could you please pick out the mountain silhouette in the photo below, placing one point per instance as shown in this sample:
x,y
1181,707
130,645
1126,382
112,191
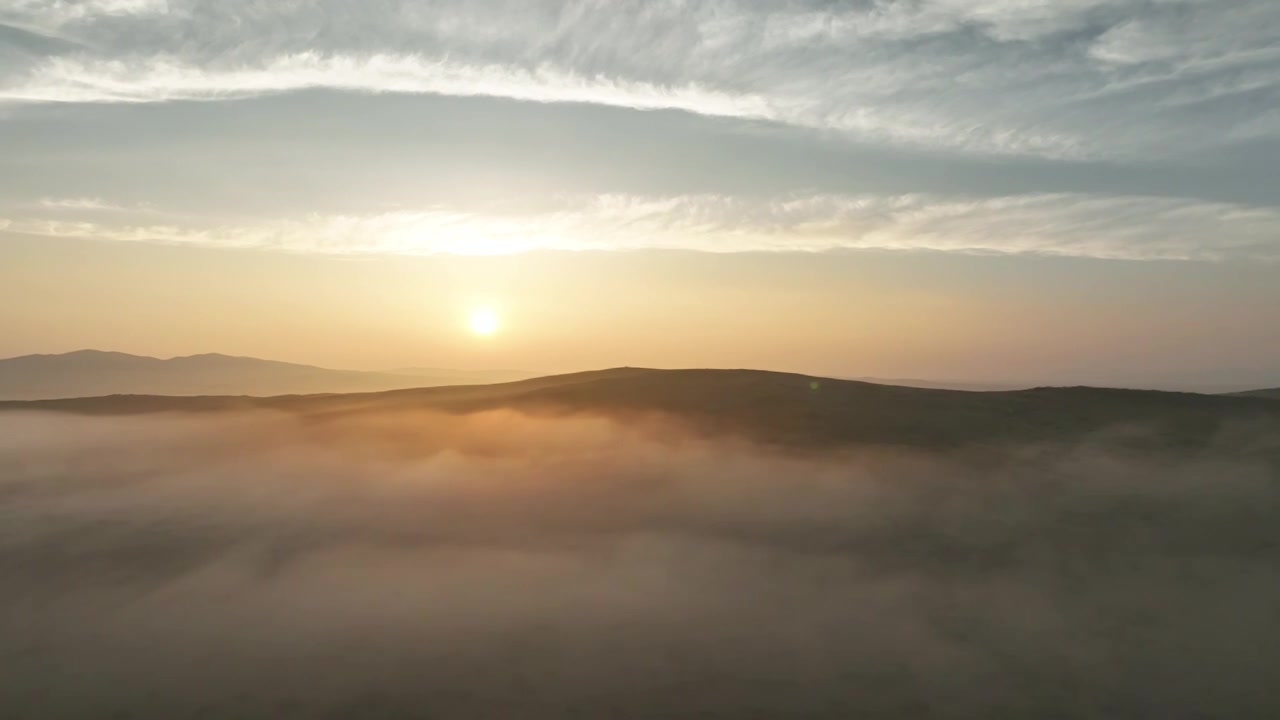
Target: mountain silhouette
x,y
789,409
93,372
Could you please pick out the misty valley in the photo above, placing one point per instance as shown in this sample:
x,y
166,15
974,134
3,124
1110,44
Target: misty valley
x,y
597,546
639,359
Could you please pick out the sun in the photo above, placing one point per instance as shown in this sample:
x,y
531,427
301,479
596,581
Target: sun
x,y
483,321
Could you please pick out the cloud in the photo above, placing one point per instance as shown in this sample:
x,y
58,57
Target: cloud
x,y
157,79
53,15
493,564
1133,228
82,204
1071,79
166,78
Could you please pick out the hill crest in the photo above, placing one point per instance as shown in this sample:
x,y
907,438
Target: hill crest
x,y
786,408
90,373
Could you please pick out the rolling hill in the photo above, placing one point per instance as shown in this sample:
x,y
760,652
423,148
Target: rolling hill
x,y
1272,394
790,409
92,373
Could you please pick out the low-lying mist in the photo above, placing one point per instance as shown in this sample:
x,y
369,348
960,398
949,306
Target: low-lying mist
x,y
498,565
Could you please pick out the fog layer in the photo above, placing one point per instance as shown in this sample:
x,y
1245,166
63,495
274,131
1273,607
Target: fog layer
x,y
496,565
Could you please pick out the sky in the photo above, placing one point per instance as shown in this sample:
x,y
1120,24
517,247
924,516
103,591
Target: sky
x,y
997,190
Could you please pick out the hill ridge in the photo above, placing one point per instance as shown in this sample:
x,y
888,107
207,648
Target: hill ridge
x,y
96,373
784,408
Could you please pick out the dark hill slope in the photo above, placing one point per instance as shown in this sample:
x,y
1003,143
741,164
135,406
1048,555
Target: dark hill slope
x,y
788,409
1273,394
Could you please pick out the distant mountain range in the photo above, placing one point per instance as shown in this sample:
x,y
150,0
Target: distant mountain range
x,y
793,410
1241,386
94,373
88,373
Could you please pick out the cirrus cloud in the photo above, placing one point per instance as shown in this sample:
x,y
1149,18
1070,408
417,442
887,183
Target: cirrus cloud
x,y
1079,78
1130,228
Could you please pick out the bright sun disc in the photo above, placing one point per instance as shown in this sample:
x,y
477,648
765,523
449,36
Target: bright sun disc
x,y
483,321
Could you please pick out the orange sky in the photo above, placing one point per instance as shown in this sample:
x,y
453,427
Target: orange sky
x,y
985,191
905,315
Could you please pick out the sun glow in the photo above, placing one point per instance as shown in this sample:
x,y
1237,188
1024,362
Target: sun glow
x,y
483,321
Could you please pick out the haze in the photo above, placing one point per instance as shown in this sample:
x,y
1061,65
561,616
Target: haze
x,y
408,563
654,359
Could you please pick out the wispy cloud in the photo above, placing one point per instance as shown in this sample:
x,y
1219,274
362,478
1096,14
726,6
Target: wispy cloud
x,y
159,79
55,15
168,78
84,203
1135,228
1073,78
